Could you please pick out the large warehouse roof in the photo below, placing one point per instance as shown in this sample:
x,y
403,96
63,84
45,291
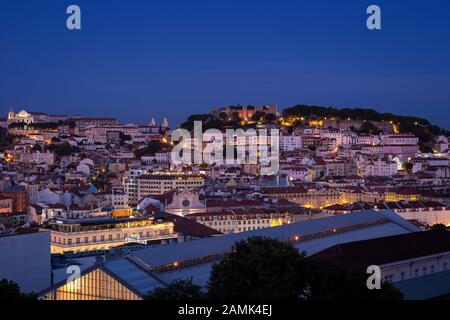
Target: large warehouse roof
x,y
328,232
143,270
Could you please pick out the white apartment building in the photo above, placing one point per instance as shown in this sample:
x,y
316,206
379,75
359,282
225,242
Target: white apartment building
x,y
342,136
441,144
37,157
159,183
290,142
427,212
378,168
90,234
341,168
298,173
234,221
100,133
372,150
399,139
32,191
162,157
367,140
250,138
130,184
43,157
119,200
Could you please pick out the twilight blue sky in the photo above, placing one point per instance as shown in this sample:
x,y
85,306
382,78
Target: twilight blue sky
x,y
139,59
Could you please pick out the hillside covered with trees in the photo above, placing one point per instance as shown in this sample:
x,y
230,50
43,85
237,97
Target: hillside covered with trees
x,y
420,127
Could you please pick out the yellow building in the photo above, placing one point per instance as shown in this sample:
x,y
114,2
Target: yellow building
x,y
160,183
96,283
402,194
308,198
92,234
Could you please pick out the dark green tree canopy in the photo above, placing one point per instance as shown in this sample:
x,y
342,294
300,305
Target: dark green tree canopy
x,y
63,149
266,269
10,291
259,268
332,281
369,128
152,147
177,290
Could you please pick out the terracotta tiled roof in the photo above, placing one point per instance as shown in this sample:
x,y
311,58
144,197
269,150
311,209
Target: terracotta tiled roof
x,y
188,227
233,204
284,190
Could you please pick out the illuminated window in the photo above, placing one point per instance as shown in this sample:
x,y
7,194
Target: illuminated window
x,y
96,285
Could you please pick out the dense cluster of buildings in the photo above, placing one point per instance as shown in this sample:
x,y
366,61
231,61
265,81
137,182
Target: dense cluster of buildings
x,y
92,187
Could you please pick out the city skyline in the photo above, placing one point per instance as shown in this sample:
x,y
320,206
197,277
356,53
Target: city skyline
x,y
174,59
157,120
205,151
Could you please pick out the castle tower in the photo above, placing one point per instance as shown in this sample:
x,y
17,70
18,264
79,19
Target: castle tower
x,y
11,114
152,123
165,124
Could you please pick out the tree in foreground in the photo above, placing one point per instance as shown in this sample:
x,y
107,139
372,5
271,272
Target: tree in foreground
x,y
267,269
333,281
177,290
438,226
10,291
259,269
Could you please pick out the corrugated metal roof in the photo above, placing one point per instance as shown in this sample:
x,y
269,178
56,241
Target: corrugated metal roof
x,y
83,263
380,224
200,273
162,255
132,275
378,231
